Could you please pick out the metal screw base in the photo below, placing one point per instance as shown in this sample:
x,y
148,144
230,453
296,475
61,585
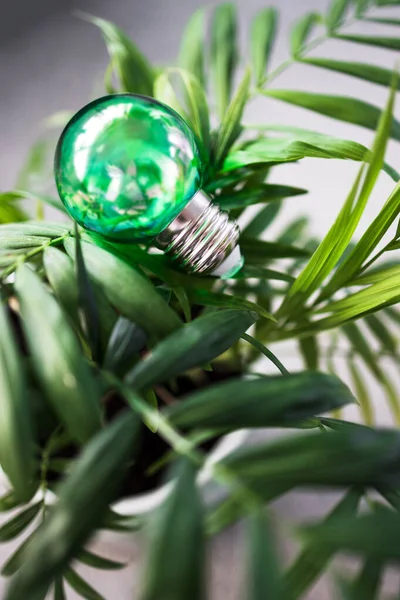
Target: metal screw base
x,y
201,237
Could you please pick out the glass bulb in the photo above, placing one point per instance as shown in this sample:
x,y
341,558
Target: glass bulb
x,y
127,166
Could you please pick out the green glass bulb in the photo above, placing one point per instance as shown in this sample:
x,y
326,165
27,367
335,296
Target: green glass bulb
x,y
126,166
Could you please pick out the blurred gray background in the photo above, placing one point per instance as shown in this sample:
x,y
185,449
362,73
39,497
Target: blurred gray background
x,y
50,60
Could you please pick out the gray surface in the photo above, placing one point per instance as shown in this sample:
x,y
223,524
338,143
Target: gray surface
x,y
52,61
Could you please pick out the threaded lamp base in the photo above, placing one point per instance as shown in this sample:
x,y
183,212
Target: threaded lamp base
x,y
202,238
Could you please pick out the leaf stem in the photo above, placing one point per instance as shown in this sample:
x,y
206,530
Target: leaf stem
x,y
22,259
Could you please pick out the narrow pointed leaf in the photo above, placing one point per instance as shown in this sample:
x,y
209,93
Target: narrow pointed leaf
x,y
64,375
382,20
15,561
262,220
87,302
134,71
374,535
361,393
381,333
313,559
270,355
98,562
128,290
194,344
263,577
391,43
365,71
263,34
301,31
258,252
81,586
343,108
126,341
336,14
16,430
206,298
59,591
82,501
8,502
231,121
267,192
265,402
223,54
310,351
172,574
61,275
13,528
191,55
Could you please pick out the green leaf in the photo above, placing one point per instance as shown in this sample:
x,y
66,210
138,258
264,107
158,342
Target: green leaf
x,y
125,343
191,55
134,71
263,402
336,14
59,592
82,501
172,574
262,220
263,578
270,355
301,32
35,228
64,375
208,298
391,43
98,562
13,195
81,586
8,502
194,344
258,252
16,430
382,21
61,276
343,108
262,273
87,302
375,535
366,585
313,559
196,107
13,528
310,351
381,333
128,290
182,297
339,236
267,192
365,246
361,393
15,561
223,54
367,72
293,231
263,34
361,7
230,127
353,455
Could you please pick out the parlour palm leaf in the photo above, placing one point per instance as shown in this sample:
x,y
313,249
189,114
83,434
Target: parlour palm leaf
x,y
314,558
391,43
264,402
263,576
263,34
135,73
191,55
65,377
343,108
82,501
127,289
17,435
178,525
301,31
193,345
224,54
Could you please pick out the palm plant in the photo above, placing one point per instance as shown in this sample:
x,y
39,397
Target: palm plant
x,y
116,367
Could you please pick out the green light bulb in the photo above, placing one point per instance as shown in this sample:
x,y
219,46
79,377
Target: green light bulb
x,y
128,167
